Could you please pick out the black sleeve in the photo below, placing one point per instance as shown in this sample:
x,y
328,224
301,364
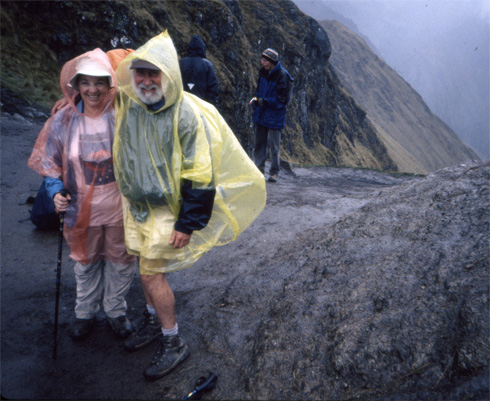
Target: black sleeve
x,y
212,87
196,208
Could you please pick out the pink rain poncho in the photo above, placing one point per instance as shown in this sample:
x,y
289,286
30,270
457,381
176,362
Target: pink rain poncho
x,y
77,149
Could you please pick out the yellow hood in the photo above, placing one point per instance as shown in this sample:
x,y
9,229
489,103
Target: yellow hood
x,y
159,51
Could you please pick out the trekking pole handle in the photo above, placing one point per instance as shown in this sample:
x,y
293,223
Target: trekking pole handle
x,y
63,192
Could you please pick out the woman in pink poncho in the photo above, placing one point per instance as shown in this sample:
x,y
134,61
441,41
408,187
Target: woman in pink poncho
x,y
74,152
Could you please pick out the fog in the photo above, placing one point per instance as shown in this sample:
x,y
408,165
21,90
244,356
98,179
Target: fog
x,y
440,47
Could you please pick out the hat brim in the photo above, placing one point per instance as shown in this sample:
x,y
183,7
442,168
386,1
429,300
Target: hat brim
x,y
143,64
92,70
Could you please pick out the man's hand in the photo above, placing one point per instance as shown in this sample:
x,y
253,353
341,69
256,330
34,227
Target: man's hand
x,y
179,240
257,102
61,202
59,105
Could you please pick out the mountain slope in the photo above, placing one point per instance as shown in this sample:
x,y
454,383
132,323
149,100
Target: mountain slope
x,y
324,123
321,11
394,106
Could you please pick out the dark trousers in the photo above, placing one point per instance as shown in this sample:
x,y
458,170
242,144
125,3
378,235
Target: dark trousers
x,y
274,136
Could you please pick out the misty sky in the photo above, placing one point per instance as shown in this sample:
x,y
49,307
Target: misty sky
x,y
441,47
405,27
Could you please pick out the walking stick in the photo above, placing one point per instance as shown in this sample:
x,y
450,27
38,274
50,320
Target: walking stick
x,y
63,192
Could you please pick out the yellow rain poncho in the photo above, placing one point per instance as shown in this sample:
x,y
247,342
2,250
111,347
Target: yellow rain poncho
x,y
185,140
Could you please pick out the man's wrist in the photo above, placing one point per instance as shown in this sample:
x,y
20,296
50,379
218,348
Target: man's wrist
x,y
182,229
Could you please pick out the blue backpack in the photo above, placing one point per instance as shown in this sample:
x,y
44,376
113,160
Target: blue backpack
x,y
43,214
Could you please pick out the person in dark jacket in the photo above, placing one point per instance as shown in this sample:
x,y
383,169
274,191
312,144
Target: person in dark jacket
x,y
198,76
269,110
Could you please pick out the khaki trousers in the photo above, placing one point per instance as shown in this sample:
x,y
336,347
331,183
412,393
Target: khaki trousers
x,y
104,281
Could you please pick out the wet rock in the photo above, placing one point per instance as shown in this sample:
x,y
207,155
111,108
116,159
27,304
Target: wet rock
x,y
390,302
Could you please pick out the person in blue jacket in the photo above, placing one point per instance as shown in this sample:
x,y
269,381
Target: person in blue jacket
x,y
198,76
269,110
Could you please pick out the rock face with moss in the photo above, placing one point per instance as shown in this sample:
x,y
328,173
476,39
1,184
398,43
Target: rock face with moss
x,y
324,123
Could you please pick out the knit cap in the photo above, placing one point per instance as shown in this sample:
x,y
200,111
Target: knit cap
x,y
271,55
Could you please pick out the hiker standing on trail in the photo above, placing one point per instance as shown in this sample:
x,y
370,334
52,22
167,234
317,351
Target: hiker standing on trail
x,y
198,76
187,186
269,110
74,152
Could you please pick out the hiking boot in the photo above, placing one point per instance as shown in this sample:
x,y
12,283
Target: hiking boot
x,y
272,178
81,328
171,351
147,330
121,326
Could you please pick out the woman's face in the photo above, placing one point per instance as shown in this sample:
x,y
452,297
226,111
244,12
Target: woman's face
x,y
93,91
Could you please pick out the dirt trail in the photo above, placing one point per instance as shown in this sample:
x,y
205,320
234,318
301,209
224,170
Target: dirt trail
x,y
98,368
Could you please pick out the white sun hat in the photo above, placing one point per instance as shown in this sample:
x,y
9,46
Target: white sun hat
x,y
88,66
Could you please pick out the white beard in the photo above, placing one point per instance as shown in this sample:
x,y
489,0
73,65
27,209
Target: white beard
x,y
147,97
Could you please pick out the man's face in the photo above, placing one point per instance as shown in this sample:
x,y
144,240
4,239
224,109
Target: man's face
x,y
266,64
148,85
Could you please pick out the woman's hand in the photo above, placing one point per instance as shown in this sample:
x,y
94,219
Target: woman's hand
x,y
61,202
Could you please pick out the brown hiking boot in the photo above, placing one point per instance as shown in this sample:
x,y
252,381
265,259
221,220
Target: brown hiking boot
x,y
147,330
171,351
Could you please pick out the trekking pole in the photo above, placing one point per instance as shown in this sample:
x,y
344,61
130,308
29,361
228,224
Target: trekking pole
x,y
63,192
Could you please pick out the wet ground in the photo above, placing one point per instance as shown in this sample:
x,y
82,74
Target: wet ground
x,y
99,368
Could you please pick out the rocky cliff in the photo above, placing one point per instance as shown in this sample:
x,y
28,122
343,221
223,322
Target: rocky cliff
x,y
324,124
417,140
389,303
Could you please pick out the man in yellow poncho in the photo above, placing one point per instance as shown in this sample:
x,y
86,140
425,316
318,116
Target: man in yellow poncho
x,y
186,182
